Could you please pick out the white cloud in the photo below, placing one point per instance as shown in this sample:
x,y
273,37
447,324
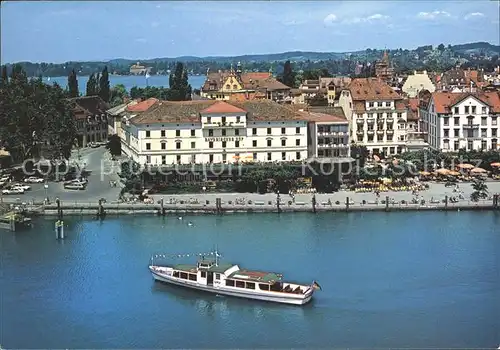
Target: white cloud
x,y
433,15
141,40
370,19
330,19
473,15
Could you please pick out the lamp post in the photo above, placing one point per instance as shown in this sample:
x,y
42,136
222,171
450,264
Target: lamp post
x,y
46,187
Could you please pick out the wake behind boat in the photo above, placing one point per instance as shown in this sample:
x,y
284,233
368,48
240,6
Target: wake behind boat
x,y
228,279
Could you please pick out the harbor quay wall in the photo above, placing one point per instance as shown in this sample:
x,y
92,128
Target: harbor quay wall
x,y
153,209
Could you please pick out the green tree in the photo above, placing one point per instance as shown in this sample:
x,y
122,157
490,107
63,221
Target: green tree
x,y
480,190
5,77
114,145
288,77
180,90
73,84
104,90
118,94
440,47
92,89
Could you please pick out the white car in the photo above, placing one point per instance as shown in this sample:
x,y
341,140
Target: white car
x,y
13,190
23,187
34,180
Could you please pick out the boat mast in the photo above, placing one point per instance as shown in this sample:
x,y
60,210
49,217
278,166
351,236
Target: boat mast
x,y
216,256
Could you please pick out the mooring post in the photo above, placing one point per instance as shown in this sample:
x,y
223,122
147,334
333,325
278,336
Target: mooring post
x,y
59,228
445,202
278,201
314,203
347,203
59,209
162,208
12,222
386,203
218,205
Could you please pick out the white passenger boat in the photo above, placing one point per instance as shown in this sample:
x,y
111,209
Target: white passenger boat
x,y
228,279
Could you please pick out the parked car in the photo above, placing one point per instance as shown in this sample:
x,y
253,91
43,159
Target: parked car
x,y
24,187
74,186
34,180
13,190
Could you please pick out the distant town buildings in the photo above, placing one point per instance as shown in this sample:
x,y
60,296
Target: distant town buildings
x,y
235,85
384,69
138,69
416,82
321,92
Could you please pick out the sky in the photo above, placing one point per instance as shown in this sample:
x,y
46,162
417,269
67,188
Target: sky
x,y
60,31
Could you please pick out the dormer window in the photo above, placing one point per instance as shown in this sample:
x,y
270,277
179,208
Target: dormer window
x,y
228,86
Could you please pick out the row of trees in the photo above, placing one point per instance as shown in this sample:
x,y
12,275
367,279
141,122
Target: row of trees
x,y
35,118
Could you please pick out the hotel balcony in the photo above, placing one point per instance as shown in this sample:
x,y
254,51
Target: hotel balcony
x,y
380,132
370,120
390,131
390,119
370,132
360,121
225,125
380,121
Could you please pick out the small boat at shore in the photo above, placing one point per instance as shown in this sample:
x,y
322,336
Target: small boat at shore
x,y
209,275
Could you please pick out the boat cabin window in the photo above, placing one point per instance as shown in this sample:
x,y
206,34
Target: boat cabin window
x,y
184,275
230,283
240,284
263,286
250,285
192,277
276,287
217,276
176,274
203,274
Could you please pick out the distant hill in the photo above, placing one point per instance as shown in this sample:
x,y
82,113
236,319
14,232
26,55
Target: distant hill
x,y
477,47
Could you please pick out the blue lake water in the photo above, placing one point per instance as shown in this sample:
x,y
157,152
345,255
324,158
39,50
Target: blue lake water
x,y
129,81
428,279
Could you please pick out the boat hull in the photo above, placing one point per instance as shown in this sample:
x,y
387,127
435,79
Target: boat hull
x,y
275,297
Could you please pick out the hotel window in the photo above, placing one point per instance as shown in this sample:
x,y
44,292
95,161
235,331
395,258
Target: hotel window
x,y
390,137
193,144
483,145
400,115
178,145
297,155
209,120
269,156
297,130
470,145
254,143
163,145
223,144
237,132
494,132
370,104
466,109
148,133
177,133
269,131
446,133
283,131
193,133
254,156
217,276
178,159
223,132
254,131
283,155
484,121
456,132
297,142
163,133
210,132
148,159
494,121
211,158
483,110
163,159
223,120
283,143
210,144
494,144
268,143
236,144
148,146
456,146
456,121
446,121
484,132
456,110
473,109
238,119
224,157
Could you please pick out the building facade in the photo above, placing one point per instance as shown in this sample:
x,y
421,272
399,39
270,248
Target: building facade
x,y
416,82
196,132
467,121
377,116
90,113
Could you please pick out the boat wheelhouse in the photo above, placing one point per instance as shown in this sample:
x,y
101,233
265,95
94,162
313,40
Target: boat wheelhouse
x,y
228,279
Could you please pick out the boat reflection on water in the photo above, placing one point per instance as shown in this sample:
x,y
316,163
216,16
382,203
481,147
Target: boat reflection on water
x,y
211,304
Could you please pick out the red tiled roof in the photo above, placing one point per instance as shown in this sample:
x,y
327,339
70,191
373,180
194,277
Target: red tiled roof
x,y
372,89
142,106
444,101
222,107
